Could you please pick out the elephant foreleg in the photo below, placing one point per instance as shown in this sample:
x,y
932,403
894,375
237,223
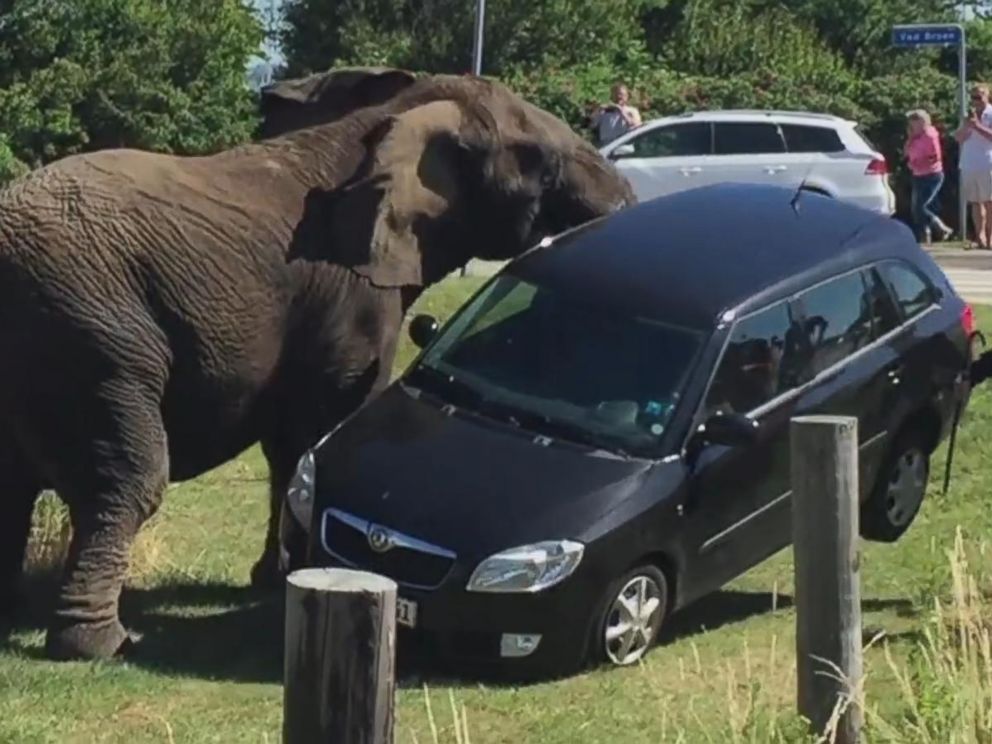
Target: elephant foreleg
x,y
265,573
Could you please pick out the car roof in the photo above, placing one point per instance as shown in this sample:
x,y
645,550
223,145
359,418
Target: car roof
x,y
691,257
781,116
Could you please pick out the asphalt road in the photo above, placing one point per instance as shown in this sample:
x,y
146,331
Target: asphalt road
x,y
969,271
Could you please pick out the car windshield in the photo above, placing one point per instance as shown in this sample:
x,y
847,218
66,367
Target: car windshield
x,y
548,362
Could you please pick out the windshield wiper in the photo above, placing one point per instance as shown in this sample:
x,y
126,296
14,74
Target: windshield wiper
x,y
562,428
462,394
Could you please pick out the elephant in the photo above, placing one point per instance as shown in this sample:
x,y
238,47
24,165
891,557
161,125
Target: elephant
x,y
160,314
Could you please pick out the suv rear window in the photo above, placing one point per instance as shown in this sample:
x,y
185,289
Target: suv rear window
x,y
747,138
804,138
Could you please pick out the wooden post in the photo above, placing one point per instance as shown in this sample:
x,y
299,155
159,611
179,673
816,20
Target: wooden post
x,y
339,685
824,461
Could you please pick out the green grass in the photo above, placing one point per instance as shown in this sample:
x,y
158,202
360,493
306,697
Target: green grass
x,y
209,664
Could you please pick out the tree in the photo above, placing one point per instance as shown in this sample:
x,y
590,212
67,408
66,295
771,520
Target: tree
x,y
166,75
436,35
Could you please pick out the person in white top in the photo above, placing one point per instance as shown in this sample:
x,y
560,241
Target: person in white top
x,y
975,161
616,118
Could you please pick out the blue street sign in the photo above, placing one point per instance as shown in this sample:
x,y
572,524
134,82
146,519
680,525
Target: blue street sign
x,y
937,34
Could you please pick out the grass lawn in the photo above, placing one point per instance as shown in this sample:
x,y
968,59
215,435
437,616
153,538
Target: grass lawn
x,y
209,664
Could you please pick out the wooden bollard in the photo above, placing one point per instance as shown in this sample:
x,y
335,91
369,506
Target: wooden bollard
x,y
340,657
824,463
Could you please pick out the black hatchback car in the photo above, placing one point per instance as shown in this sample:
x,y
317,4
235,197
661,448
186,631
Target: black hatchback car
x,y
600,435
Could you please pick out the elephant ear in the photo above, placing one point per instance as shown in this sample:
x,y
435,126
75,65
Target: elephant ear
x,y
293,104
381,223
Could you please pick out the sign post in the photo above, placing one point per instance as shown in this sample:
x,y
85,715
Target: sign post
x,y
942,34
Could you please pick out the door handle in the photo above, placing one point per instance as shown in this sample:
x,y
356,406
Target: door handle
x,y
690,171
773,169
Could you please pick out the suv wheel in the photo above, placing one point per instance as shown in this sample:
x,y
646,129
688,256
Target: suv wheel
x,y
899,490
635,608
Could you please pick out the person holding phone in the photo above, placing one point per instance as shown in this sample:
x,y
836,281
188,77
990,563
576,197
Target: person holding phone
x,y
923,152
615,118
975,138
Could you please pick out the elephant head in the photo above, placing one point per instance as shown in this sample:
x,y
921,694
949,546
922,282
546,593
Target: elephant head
x,y
457,167
289,105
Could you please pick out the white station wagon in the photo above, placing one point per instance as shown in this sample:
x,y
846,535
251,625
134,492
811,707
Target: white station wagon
x,y
826,154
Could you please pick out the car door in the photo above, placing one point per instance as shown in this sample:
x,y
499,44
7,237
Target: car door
x,y
736,494
666,159
923,360
752,152
849,371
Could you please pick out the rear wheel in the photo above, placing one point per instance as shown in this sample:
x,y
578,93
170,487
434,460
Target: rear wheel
x,y
899,490
631,617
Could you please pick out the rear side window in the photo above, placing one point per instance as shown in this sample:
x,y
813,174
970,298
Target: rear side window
x,y
747,138
756,364
803,138
678,140
836,321
912,292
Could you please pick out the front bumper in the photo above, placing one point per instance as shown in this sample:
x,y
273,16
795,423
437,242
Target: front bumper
x,y
469,628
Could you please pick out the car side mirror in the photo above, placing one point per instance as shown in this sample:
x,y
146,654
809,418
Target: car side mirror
x,y
622,151
729,430
423,329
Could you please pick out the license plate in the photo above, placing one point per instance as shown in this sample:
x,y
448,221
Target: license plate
x,y
406,612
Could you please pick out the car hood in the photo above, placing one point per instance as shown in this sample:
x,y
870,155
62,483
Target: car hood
x,y
465,482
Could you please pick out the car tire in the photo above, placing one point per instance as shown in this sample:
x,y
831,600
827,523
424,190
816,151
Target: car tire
x,y
899,489
630,617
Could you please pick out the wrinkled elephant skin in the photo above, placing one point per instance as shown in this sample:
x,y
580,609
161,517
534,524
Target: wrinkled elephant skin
x,y
160,314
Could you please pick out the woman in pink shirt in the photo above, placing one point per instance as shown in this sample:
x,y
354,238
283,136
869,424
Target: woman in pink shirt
x,y
922,150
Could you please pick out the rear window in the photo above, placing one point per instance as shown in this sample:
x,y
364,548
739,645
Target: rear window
x,y
803,138
865,138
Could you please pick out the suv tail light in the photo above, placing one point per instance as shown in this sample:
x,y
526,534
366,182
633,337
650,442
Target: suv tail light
x,y
877,167
968,320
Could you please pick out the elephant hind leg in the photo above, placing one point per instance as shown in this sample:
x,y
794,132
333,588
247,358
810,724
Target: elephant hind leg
x,y
113,483
18,492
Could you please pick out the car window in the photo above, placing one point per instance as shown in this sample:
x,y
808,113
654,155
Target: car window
x,y
741,138
912,292
885,314
803,138
836,321
758,364
677,140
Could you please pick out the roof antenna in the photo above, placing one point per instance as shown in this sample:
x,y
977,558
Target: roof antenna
x,y
794,202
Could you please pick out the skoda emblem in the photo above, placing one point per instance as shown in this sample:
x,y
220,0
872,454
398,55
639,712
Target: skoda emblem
x,y
379,539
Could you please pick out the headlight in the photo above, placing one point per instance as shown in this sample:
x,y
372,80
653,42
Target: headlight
x,y
300,494
529,568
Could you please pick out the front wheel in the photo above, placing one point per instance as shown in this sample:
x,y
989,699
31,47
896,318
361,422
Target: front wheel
x,y
632,615
898,494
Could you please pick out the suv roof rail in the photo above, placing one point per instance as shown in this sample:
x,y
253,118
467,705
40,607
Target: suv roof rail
x,y
758,112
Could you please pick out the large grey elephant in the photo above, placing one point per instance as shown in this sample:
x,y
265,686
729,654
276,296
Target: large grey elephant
x,y
160,314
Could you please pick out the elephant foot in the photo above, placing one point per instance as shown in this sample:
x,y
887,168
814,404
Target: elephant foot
x,y
85,641
267,574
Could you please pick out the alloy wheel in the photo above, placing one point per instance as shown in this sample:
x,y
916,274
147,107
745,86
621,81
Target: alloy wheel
x,y
632,621
906,487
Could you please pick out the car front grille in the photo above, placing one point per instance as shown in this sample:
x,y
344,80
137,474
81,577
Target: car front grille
x,y
361,544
